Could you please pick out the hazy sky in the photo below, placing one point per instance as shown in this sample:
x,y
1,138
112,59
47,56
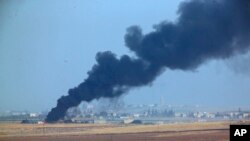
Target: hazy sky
x,y
48,46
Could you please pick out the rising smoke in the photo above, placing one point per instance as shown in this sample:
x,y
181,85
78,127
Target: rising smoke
x,y
204,30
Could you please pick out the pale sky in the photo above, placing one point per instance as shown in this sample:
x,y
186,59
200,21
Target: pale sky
x,y
48,46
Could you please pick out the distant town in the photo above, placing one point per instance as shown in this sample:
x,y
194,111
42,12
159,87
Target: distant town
x,y
129,114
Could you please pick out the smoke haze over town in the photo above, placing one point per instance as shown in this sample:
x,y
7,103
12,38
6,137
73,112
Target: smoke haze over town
x,y
45,54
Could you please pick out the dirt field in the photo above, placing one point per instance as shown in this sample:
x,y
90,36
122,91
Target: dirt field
x,y
200,131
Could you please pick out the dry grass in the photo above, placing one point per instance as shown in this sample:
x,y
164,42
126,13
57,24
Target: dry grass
x,y
15,129
217,131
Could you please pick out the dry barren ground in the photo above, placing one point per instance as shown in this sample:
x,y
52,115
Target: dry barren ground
x,y
200,131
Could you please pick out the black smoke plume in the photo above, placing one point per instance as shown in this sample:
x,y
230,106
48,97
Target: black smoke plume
x,y
204,30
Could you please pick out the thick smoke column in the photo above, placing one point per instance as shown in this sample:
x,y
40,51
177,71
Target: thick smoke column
x,y
211,29
110,77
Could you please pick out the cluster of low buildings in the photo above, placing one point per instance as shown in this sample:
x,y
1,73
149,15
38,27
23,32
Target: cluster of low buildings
x,y
134,114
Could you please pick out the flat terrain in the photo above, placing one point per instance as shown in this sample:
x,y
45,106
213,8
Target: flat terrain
x,y
199,131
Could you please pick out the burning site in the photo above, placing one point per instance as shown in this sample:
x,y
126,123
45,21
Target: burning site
x,y
201,32
204,30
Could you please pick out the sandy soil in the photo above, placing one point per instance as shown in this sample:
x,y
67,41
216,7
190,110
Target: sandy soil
x,y
206,131
201,136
